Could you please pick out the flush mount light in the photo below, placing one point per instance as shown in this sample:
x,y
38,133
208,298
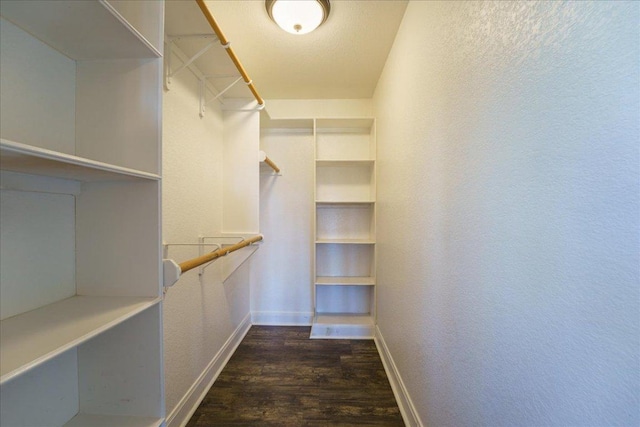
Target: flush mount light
x,y
298,16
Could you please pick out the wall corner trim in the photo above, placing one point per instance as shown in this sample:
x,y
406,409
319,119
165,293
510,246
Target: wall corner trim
x,y
185,409
407,409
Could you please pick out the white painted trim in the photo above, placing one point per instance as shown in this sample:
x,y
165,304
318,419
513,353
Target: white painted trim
x,y
407,409
282,318
185,409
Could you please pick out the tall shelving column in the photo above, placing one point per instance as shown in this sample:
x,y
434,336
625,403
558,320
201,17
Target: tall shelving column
x,y
345,229
80,272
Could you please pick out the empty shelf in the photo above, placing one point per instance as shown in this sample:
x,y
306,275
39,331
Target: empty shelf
x,y
23,158
82,30
347,241
36,336
345,281
343,326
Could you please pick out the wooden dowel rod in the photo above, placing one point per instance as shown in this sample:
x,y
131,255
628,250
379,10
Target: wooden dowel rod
x,y
196,262
255,93
224,42
216,28
270,163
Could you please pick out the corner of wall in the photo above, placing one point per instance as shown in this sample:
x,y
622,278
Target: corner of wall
x,y
183,411
407,409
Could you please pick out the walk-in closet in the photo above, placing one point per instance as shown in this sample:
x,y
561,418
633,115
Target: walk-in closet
x,y
391,212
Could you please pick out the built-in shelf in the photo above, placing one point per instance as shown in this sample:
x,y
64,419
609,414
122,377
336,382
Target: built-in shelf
x,y
344,125
345,228
346,281
343,325
345,181
344,140
80,186
23,158
345,202
329,203
343,162
82,30
285,125
344,319
347,241
32,338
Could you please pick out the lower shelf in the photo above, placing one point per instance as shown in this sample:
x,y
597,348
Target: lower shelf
x,y
113,379
346,281
91,420
342,326
37,336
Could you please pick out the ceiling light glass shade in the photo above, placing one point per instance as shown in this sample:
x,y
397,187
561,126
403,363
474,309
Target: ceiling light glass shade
x,y
298,16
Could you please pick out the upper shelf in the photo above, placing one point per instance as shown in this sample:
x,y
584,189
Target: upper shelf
x,y
344,162
289,125
344,125
17,157
88,30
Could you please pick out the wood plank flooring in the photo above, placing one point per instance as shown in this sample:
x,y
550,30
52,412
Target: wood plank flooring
x,y
279,377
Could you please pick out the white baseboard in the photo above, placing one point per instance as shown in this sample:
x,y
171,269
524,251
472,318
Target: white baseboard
x,y
407,409
282,318
183,411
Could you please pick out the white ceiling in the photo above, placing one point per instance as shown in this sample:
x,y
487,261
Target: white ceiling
x,y
341,59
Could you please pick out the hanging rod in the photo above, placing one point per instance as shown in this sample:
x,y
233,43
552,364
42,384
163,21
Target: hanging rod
x,y
172,270
264,158
273,165
227,46
195,262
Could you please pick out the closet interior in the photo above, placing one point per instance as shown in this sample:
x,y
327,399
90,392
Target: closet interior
x,y
82,272
81,298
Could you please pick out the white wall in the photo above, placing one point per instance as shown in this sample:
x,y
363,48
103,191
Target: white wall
x,y
199,316
240,190
508,214
281,290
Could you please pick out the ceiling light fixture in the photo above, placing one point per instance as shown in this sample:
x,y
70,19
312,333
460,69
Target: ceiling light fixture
x,y
298,16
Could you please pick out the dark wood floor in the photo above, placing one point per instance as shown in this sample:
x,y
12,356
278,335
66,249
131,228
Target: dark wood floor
x,y
279,377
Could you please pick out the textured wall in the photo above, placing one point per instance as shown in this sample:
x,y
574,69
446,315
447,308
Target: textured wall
x,y
198,316
509,212
281,289
240,189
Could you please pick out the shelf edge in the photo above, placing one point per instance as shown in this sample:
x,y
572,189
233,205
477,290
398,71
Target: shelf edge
x,y
17,372
63,158
126,24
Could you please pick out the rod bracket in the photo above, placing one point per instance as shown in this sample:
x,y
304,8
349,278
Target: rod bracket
x,y
203,92
170,272
170,42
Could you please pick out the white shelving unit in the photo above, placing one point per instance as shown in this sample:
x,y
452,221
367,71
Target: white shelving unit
x,y
80,272
345,229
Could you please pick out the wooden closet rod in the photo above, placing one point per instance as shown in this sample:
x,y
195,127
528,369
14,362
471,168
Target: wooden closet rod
x,y
273,165
227,46
196,262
